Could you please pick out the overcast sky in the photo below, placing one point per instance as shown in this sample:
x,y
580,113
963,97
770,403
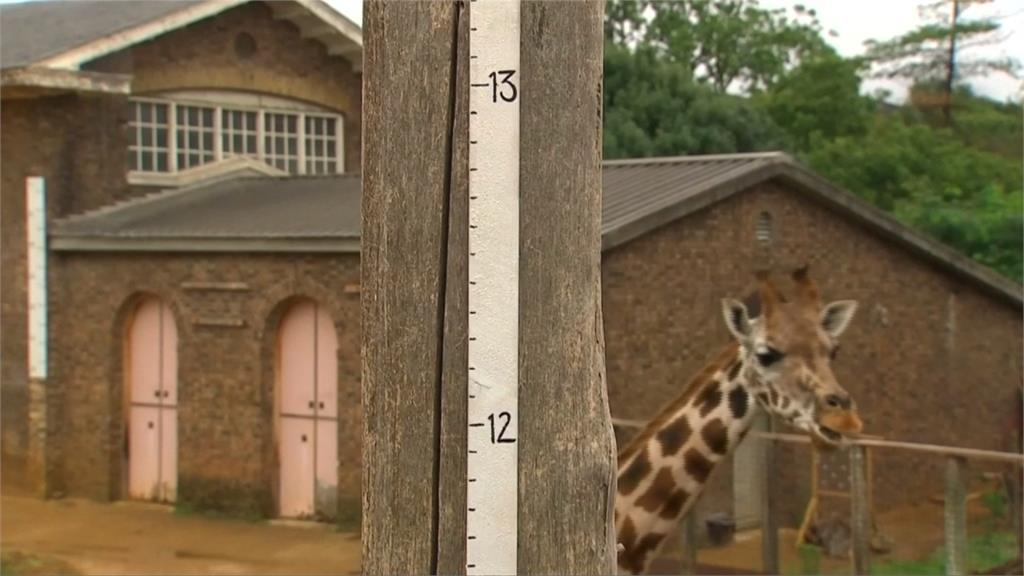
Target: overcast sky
x,y
855,21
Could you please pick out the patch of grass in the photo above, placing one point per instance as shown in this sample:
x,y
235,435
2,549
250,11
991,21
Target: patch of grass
x,y
17,563
983,552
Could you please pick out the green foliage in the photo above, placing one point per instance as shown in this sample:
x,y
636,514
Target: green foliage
x,y
983,552
924,54
931,180
819,100
673,70
727,44
653,108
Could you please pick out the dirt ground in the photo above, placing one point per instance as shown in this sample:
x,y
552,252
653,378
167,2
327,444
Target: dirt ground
x,y
79,536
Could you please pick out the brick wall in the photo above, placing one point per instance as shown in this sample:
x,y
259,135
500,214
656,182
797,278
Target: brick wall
x,y
76,143
202,56
226,374
916,375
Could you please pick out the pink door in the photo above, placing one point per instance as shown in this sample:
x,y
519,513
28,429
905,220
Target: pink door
x,y
152,402
307,431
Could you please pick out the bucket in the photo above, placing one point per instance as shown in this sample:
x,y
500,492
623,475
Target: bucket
x,y
721,529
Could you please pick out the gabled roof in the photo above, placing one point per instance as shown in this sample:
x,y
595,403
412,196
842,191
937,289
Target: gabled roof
x,y
286,213
65,34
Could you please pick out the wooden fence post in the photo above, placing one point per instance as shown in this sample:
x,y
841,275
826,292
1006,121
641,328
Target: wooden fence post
x,y
860,510
956,516
769,516
413,257
688,535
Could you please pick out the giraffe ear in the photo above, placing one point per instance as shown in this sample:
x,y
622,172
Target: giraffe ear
x,y
737,320
836,316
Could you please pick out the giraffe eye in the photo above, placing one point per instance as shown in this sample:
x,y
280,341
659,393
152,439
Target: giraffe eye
x,y
769,356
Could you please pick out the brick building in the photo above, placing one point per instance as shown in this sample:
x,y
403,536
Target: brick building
x,y
236,271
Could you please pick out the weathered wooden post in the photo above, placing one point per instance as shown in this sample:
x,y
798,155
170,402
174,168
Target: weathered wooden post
x,y
860,510
414,277
769,515
956,516
688,535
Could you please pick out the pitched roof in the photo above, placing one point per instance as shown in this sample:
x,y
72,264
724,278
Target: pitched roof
x,y
65,34
33,31
287,213
303,213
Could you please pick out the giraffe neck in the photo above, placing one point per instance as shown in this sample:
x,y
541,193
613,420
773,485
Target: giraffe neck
x,y
664,469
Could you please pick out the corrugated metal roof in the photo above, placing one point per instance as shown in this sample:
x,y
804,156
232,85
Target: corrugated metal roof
x,y
635,190
33,31
287,213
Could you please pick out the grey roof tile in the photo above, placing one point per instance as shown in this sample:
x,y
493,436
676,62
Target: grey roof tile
x,y
33,31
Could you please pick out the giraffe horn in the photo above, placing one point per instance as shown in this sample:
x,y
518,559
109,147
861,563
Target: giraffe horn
x,y
806,288
770,296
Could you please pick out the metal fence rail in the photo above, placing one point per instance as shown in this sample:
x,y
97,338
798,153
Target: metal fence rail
x,y
955,513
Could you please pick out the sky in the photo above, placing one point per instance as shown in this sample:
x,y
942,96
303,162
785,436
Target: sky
x,y
855,21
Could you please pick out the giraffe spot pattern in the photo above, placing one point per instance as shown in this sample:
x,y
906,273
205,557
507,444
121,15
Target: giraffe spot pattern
x,y
627,536
697,465
674,504
659,491
636,471
709,398
738,401
635,559
673,436
716,436
734,370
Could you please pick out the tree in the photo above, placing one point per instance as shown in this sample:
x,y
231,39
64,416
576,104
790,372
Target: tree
x,y
653,107
932,54
733,44
929,178
819,100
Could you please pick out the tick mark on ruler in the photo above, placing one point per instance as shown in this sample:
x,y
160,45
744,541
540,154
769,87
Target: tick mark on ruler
x,y
473,169
472,509
477,424
471,537
472,451
480,85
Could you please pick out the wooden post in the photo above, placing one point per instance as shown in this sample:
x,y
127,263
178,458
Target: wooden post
x,y
688,533
956,516
860,510
769,516
414,253
567,449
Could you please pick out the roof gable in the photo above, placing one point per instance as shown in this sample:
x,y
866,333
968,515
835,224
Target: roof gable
x,y
83,30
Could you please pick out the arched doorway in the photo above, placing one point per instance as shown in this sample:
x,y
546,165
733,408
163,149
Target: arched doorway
x,y
307,412
152,402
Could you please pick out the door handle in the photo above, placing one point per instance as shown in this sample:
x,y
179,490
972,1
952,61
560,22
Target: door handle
x,y
156,393
303,437
151,425
312,404
321,405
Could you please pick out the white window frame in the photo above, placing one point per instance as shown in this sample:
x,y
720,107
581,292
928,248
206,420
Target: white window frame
x,y
222,102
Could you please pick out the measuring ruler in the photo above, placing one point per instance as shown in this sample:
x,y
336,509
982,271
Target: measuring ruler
x,y
492,459
35,219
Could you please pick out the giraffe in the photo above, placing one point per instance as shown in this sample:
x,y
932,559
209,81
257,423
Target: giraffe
x,y
779,361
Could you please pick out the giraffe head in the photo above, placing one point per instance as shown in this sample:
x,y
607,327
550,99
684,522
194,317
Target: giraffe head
x,y
789,348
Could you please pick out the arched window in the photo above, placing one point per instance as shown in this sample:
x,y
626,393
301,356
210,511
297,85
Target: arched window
x,y
176,132
764,230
